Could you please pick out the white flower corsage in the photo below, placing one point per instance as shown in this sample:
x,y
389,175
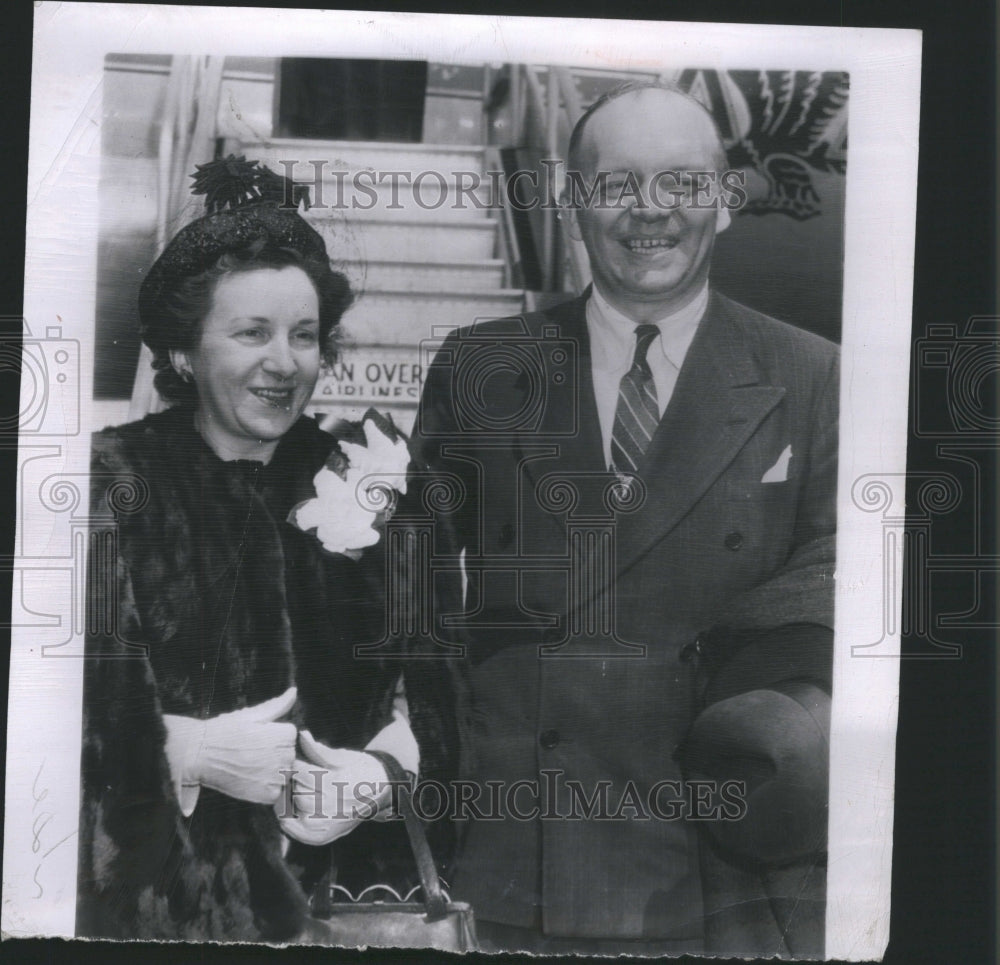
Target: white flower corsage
x,y
352,498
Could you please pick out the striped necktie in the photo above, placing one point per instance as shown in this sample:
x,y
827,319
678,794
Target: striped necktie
x,y
638,413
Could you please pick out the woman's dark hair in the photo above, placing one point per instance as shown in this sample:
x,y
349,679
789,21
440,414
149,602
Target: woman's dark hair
x,y
175,325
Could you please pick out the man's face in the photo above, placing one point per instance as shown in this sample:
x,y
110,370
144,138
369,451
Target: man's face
x,y
649,255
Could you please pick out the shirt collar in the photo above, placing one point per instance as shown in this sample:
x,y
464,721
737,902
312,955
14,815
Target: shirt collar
x,y
612,332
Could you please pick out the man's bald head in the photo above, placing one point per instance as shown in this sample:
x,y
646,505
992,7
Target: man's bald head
x,y
674,100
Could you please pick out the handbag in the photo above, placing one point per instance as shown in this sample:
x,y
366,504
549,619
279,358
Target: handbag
x,y
435,922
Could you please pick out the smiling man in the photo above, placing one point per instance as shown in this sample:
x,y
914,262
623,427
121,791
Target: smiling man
x,y
648,236
639,568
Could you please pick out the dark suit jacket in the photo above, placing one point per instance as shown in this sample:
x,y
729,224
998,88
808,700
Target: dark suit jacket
x,y
583,604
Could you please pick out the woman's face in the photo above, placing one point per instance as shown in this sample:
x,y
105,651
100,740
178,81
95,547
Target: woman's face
x,y
257,360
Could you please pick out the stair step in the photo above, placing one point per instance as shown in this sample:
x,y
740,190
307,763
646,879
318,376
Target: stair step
x,y
355,196
424,275
401,240
378,156
410,317
382,204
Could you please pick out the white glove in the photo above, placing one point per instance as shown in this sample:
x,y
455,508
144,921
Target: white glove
x,y
353,785
241,754
396,738
331,792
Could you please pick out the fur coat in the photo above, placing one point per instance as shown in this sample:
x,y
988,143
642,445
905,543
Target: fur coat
x,y
214,602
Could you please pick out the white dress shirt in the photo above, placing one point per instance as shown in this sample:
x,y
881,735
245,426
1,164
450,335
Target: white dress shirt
x,y
612,347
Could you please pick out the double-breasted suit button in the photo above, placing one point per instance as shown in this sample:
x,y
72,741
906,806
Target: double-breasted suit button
x,y
690,651
549,739
506,536
733,540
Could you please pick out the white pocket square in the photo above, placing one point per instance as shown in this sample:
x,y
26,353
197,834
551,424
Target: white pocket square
x,y
779,471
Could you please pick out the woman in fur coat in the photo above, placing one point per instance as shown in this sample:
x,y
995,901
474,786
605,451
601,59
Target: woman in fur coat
x,y
223,700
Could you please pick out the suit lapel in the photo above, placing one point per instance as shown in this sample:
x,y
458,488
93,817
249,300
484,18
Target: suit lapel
x,y
719,402
717,405
569,421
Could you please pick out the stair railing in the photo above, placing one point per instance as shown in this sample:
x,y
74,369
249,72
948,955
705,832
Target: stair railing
x,y
545,110
577,264
513,263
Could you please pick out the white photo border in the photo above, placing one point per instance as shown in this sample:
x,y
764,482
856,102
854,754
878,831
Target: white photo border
x,y
70,44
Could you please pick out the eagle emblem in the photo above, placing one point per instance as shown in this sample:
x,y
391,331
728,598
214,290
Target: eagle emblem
x,y
783,125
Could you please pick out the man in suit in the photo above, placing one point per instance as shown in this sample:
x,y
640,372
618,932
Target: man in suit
x,y
636,559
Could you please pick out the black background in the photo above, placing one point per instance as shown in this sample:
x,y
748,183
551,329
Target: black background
x,y
944,869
